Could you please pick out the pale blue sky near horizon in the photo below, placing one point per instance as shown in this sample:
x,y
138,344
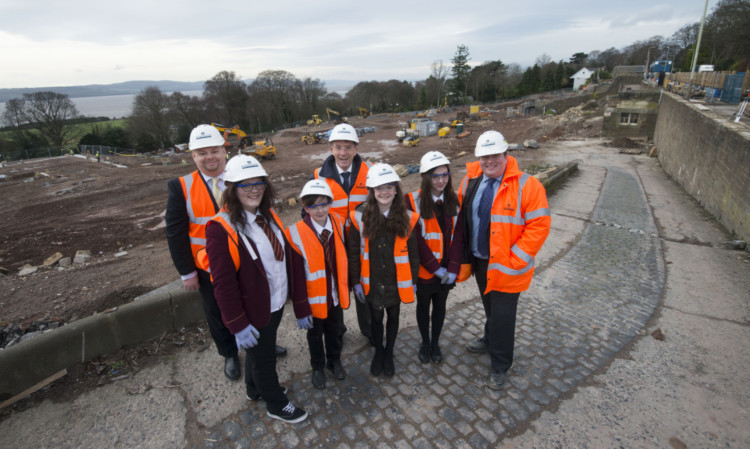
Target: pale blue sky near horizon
x,y
49,43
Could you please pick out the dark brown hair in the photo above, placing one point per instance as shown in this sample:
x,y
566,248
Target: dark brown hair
x,y
376,224
427,205
309,200
234,207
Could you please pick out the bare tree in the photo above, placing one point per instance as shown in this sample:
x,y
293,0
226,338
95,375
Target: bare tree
x,y
439,73
226,98
46,111
149,124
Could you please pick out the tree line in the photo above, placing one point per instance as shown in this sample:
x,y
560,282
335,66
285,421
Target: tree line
x,y
277,98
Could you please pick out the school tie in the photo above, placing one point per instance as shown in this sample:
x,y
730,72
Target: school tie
x,y
439,203
346,175
323,237
484,210
278,252
215,190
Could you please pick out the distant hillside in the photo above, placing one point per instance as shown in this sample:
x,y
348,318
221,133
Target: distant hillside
x,y
98,90
135,87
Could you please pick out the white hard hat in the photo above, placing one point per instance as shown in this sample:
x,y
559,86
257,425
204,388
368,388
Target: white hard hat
x,y
490,142
343,132
432,159
204,136
380,174
243,167
316,187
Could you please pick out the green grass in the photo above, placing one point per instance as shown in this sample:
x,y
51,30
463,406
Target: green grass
x,y
79,129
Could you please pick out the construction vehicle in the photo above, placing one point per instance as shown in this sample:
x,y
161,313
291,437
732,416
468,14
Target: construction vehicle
x,y
422,114
311,138
364,113
337,118
261,149
234,137
315,121
411,141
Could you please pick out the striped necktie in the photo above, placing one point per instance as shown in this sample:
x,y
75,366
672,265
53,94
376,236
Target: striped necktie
x,y
278,251
323,237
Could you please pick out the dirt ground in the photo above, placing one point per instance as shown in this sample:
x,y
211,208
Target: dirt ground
x,y
69,203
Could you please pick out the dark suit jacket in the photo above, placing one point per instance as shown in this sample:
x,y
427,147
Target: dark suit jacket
x,y
177,226
244,296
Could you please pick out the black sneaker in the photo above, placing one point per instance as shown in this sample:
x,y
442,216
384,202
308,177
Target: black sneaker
x,y
254,395
290,414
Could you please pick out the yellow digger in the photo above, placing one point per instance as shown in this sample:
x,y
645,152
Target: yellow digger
x,y
337,117
311,138
364,113
261,149
234,137
315,121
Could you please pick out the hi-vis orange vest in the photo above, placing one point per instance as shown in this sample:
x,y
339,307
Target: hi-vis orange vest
x,y
200,209
305,241
343,204
433,236
519,225
431,233
400,255
233,238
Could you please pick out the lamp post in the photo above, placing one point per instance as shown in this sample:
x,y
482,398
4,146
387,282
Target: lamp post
x,y
695,54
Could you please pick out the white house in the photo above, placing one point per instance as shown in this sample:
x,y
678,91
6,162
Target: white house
x,y
580,77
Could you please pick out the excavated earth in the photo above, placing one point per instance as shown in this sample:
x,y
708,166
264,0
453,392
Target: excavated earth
x,y
65,204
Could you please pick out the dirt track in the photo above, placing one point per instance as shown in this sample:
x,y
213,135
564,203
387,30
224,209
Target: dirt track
x,y
70,203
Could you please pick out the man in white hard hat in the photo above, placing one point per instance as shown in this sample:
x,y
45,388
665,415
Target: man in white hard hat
x,y
192,201
346,174
505,220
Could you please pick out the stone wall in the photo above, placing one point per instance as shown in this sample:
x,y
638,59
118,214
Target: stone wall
x,y
642,104
709,156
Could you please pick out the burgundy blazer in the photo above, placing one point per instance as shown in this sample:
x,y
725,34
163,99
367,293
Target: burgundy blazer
x,y
244,295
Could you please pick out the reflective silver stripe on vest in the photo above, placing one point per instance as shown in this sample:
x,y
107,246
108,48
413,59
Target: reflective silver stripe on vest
x,y
436,255
432,236
404,284
521,254
297,240
503,269
340,203
401,259
197,241
358,198
517,219
416,201
543,212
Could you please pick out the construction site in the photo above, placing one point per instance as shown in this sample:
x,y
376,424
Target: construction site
x,y
86,236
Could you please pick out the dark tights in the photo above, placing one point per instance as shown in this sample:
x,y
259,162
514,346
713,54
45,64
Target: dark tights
x,y
391,328
431,293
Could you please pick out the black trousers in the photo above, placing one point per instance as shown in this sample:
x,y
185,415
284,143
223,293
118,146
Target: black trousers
x,y
260,366
391,328
500,325
224,340
436,294
330,328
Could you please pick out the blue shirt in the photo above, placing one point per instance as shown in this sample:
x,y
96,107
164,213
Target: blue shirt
x,y
475,213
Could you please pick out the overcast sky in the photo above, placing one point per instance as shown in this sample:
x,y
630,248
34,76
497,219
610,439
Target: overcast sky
x,y
74,42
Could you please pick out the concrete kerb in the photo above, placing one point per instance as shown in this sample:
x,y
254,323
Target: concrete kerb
x,y
30,362
165,309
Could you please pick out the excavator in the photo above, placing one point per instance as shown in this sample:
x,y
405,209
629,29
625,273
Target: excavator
x,y
364,113
234,137
337,118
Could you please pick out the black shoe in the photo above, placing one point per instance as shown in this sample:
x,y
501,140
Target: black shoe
x,y
376,367
336,369
388,368
424,353
437,355
477,346
253,394
232,368
290,414
280,351
497,379
319,379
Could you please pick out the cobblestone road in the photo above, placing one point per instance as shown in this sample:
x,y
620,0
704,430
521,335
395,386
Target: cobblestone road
x,y
580,311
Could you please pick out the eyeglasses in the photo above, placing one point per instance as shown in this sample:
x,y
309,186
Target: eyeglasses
x,y
314,206
255,186
440,175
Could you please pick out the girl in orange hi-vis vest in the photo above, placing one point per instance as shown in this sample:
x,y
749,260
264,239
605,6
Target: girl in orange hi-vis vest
x,y
319,239
439,251
383,259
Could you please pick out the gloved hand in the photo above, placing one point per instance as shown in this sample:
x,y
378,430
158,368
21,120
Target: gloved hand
x,y
449,278
247,337
305,323
440,272
359,293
